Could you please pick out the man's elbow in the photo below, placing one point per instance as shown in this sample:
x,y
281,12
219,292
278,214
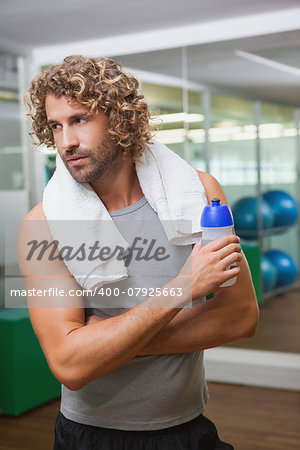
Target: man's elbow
x,y
250,329
73,385
74,376
69,381
66,375
250,321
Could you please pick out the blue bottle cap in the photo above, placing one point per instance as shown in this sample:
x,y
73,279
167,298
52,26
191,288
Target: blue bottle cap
x,y
216,215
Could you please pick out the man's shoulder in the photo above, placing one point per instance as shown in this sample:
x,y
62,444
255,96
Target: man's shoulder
x,y
212,187
36,213
207,178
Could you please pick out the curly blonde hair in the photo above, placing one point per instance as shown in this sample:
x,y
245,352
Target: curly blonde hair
x,y
101,86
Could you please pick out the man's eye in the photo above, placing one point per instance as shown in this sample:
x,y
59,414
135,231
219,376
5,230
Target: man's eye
x,y
55,126
81,120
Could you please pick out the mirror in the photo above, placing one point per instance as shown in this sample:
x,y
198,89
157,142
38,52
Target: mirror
x,y
217,132
13,195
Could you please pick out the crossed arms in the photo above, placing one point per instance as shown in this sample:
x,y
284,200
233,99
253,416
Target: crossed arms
x,y
79,352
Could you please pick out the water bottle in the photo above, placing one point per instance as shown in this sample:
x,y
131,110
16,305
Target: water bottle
x,y
217,221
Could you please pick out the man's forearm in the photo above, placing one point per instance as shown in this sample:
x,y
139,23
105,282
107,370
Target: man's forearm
x,y
232,314
211,324
89,352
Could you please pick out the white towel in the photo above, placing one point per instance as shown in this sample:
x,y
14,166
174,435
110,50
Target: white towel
x,y
172,188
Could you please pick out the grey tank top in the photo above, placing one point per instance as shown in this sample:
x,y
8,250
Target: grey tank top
x,y
149,392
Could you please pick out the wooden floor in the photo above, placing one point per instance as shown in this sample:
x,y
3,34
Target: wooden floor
x,y
250,418
278,329
253,418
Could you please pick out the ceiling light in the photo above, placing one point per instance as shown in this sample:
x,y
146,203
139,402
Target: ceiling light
x,y
268,62
179,117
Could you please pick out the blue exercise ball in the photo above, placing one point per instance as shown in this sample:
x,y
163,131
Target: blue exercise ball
x,y
287,271
245,213
269,274
284,206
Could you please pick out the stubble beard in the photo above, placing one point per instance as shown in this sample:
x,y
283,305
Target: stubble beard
x,y
98,163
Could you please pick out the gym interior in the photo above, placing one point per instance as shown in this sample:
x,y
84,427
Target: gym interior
x,y
223,83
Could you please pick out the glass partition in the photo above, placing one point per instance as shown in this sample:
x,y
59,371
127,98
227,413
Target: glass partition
x,y
279,175
11,151
168,118
13,194
196,131
232,146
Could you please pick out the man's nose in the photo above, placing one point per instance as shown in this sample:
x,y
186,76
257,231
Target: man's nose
x,y
70,138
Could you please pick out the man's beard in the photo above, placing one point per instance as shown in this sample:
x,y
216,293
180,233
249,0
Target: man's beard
x,y
97,164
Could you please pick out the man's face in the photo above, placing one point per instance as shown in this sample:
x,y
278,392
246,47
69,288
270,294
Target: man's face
x,y
81,139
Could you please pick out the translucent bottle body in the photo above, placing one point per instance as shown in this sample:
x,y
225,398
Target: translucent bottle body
x,y
210,234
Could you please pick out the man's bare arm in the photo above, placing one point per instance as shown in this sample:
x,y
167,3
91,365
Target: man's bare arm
x,y
78,354
232,314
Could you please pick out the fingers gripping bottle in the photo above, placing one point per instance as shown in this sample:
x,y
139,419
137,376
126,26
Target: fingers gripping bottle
x,y
217,221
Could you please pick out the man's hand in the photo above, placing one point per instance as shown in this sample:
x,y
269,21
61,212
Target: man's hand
x,y
93,319
206,266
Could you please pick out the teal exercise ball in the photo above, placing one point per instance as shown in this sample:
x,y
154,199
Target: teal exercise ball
x,y
245,213
268,274
287,270
284,206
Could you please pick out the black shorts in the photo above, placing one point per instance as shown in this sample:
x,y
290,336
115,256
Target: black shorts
x,y
197,434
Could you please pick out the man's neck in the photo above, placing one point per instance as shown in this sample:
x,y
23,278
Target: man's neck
x,y
119,187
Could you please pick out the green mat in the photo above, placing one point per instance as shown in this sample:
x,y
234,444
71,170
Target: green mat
x,y
25,378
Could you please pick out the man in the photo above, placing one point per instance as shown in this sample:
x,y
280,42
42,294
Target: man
x,y
131,379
